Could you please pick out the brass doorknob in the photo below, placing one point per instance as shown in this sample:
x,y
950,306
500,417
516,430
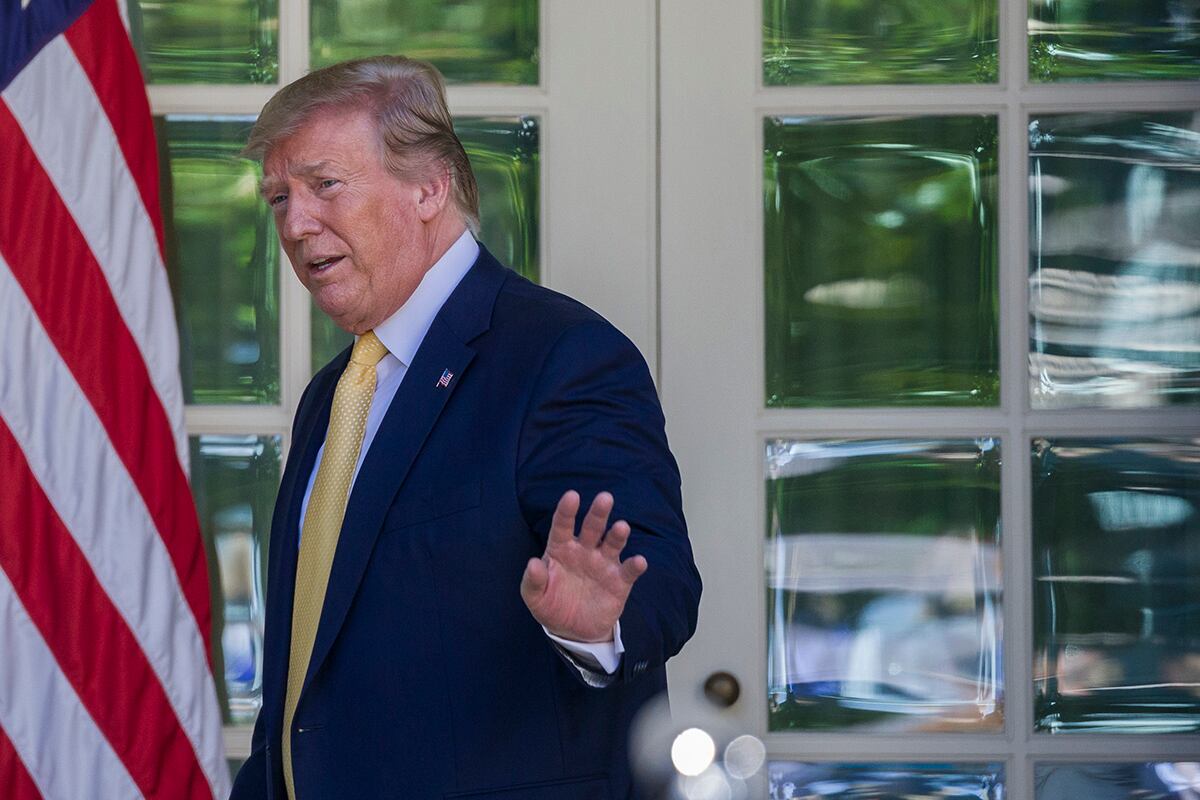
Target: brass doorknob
x,y
722,689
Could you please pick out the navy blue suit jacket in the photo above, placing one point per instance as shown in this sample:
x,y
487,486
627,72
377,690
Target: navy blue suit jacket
x,y
429,678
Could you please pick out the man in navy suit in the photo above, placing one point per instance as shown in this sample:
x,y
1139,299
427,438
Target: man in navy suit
x,y
476,639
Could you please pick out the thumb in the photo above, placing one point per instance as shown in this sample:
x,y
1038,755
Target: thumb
x,y
534,581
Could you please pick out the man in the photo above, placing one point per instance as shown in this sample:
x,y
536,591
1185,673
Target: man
x,y
444,632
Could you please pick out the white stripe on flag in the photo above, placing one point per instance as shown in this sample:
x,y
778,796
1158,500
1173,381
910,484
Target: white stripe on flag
x,y
93,495
85,164
66,755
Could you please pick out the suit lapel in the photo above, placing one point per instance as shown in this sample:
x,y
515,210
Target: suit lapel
x,y
437,369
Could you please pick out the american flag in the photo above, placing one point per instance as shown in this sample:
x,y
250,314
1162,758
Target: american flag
x,y
106,687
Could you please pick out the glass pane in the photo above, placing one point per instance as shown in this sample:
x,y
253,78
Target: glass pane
x,y
224,262
504,157
1116,545
801,781
1114,288
884,585
881,261
214,41
1179,780
864,41
1073,40
234,481
470,41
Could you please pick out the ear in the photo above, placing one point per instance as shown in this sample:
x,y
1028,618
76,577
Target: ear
x,y
433,194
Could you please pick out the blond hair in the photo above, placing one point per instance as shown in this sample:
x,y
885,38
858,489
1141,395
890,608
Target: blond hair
x,y
407,100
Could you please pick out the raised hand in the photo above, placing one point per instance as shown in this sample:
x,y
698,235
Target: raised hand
x,y
579,586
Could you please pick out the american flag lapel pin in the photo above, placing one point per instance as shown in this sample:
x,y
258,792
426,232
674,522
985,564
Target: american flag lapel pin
x,y
444,381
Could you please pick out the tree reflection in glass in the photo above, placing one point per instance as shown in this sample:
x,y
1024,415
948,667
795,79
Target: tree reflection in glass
x,y
883,574
470,41
880,261
223,257
504,157
1116,544
215,41
1073,40
1114,284
868,41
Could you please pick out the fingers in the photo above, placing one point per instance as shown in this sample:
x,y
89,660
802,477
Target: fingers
x,y
534,581
615,541
596,521
562,529
633,568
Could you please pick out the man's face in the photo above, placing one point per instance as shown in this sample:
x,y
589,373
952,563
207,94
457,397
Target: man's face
x,y
356,235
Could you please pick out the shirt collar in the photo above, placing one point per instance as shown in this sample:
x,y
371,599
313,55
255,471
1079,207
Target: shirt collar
x,y
403,332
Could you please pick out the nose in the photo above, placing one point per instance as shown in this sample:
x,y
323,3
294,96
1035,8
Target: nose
x,y
300,219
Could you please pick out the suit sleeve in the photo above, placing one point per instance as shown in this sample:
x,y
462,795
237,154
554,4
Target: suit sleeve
x,y
595,424
251,780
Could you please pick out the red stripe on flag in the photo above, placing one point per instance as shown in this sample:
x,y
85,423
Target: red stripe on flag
x,y
68,291
94,647
15,783
103,48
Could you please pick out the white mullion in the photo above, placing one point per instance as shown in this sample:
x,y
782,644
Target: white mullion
x,y
1066,97
208,100
1112,423
245,419
293,40
1014,468
237,741
912,99
1115,747
496,101
295,327
925,422
919,100
863,746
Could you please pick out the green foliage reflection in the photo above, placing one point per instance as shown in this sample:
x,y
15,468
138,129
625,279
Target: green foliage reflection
x,y
880,250
879,41
1081,40
470,41
216,41
223,254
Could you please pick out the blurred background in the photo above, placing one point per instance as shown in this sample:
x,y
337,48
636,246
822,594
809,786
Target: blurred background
x,y
920,284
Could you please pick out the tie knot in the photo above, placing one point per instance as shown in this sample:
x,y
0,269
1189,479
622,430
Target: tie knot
x,y
368,350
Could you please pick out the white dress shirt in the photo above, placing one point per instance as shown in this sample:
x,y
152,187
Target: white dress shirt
x,y
402,333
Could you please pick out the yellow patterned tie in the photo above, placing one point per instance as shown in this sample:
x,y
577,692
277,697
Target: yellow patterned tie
x,y
323,520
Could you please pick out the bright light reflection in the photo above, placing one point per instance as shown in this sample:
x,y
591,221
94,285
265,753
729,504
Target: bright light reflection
x,y
693,751
744,756
710,785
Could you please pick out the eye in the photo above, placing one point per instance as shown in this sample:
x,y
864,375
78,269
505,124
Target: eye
x,y
328,183
276,199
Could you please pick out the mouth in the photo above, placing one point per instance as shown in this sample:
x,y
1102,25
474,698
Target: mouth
x,y
322,264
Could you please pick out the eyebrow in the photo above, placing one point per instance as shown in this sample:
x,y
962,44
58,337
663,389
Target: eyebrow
x,y
304,170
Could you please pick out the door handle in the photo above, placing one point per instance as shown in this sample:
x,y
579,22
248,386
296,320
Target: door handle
x,y
722,689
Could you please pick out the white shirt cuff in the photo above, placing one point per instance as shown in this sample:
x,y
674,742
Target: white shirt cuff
x,y
605,656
